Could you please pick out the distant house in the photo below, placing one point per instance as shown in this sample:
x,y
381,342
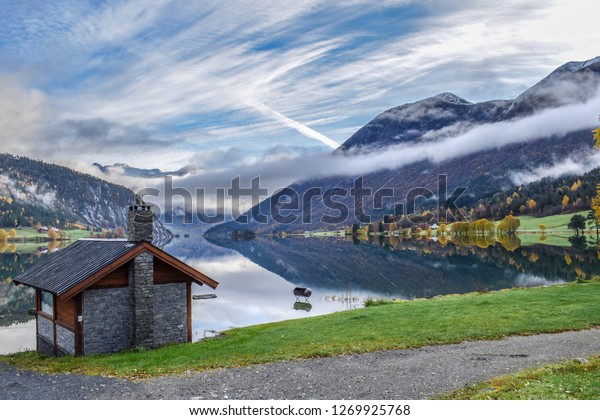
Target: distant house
x,y
106,295
434,226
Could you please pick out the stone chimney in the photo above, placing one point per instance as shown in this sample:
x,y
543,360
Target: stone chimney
x,y
141,276
140,223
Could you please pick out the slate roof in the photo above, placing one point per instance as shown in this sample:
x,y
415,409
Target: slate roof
x,y
75,264
69,267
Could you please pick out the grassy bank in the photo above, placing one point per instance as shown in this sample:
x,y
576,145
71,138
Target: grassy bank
x,y
557,222
556,233
449,319
30,234
577,379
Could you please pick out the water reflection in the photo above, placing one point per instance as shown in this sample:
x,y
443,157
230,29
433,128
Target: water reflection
x,y
17,337
414,267
248,294
257,277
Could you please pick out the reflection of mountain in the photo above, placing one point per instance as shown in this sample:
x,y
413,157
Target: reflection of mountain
x,y
15,301
409,269
314,262
187,242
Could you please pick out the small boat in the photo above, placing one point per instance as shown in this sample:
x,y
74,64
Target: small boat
x,y
207,296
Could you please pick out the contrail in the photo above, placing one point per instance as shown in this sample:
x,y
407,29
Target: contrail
x,y
301,128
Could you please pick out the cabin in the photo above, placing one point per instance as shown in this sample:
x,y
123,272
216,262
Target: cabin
x,y
102,296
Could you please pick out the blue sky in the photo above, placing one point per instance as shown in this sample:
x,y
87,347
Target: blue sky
x,y
224,83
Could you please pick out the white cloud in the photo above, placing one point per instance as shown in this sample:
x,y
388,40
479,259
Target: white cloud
x,y
23,114
192,72
572,165
282,171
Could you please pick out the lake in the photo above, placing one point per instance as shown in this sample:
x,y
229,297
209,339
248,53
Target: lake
x,y
257,276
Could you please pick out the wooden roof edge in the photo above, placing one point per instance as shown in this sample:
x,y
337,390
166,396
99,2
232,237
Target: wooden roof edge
x,y
199,277
104,271
196,275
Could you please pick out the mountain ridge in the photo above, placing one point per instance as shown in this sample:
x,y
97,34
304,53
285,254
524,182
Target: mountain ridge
x,y
125,169
33,191
445,115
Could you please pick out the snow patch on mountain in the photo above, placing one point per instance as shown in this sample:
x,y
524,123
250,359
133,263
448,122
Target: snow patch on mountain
x,y
452,99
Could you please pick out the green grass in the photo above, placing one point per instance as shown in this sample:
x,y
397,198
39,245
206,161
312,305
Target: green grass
x,y
558,221
552,240
576,379
449,319
28,233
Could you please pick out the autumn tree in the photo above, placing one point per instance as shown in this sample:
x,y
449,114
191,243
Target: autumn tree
x,y
509,225
490,227
596,207
12,233
480,226
597,137
52,234
565,200
3,235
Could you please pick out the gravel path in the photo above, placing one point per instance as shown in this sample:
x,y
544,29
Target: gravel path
x,y
401,374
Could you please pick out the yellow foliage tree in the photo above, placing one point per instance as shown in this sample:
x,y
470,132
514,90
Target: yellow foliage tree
x,y
442,228
597,137
576,185
480,226
565,200
52,234
596,204
3,235
12,233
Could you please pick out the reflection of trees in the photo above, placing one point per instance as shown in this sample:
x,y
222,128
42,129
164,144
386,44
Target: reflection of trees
x,y
16,300
443,241
509,242
546,261
578,242
52,246
481,242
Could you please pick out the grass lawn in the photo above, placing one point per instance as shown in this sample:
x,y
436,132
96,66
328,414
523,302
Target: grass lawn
x,y
558,221
29,233
442,320
577,379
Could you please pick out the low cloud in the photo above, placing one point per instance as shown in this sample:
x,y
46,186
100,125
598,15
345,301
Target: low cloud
x,y
281,172
572,165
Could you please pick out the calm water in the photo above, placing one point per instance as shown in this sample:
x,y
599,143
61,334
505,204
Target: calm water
x,y
257,277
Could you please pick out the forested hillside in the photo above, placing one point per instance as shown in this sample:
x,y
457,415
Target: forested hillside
x,y
32,191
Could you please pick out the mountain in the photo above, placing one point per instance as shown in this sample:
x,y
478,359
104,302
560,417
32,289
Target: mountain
x,y
482,172
412,122
124,169
32,191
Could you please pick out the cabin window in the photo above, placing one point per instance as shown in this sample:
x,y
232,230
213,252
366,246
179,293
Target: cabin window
x,y
48,303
